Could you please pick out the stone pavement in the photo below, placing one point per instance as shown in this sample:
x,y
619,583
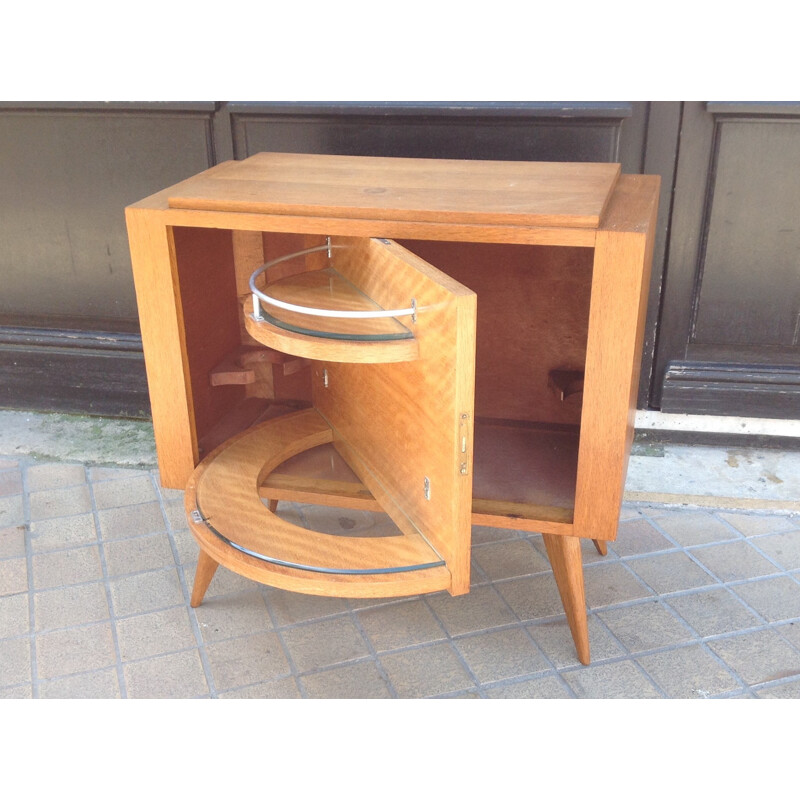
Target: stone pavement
x,y
96,564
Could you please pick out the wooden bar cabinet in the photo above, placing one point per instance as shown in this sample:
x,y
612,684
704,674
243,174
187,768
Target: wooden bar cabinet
x,y
449,342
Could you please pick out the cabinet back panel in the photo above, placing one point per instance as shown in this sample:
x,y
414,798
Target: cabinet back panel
x,y
533,314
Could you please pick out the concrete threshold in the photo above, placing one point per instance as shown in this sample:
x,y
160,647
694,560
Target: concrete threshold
x,y
681,475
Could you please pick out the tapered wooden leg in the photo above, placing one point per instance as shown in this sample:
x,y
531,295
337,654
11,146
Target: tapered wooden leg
x,y
564,553
206,567
601,545
272,505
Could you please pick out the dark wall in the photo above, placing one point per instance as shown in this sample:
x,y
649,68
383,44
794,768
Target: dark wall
x,y
729,329
722,327
68,320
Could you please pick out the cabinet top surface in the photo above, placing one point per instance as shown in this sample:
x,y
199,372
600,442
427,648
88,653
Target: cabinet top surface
x,y
405,189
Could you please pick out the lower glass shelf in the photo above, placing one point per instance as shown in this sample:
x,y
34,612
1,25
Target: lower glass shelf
x,y
233,525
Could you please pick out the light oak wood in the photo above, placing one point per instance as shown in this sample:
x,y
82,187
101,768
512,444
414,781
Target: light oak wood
x,y
400,425
622,261
233,522
206,569
601,546
533,316
164,343
228,498
564,553
579,237
529,193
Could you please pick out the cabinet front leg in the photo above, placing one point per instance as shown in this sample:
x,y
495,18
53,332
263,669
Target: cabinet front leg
x,y
564,553
206,567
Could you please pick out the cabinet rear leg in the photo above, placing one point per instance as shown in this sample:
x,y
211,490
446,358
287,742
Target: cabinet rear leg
x,y
601,546
206,567
564,553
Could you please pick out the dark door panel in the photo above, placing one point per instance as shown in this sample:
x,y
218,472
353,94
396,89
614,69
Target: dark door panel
x,y
730,321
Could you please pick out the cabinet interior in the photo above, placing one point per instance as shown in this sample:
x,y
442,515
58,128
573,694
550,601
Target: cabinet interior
x,y
532,323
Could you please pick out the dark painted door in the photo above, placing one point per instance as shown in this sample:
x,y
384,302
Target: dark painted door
x,y
729,329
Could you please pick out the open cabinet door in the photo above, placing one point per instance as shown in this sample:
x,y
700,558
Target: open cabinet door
x,y
402,419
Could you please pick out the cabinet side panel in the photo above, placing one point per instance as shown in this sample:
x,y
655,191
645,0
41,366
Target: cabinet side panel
x,y
400,424
164,344
613,362
207,282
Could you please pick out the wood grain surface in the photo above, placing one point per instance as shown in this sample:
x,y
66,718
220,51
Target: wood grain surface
x,y
525,193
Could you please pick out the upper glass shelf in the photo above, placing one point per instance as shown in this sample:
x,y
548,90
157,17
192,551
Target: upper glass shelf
x,y
326,290
319,313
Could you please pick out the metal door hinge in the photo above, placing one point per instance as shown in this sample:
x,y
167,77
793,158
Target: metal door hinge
x,y
463,444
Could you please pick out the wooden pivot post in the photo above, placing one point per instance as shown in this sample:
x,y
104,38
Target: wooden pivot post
x,y
564,553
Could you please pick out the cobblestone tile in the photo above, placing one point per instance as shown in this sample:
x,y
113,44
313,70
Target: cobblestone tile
x,y
695,527
638,536
609,583
758,657
757,524
41,477
402,624
321,644
713,612
776,599
14,620
555,640
124,492
139,520
547,688
247,660
670,572
734,561
12,542
100,685
15,657
126,556
498,655
13,576
645,626
281,689
289,608
154,634
10,482
781,691
783,548
233,615
510,559
72,650
178,675
61,533
354,681
146,591
426,671
482,608
70,606
12,511
60,502
688,672
620,680
66,567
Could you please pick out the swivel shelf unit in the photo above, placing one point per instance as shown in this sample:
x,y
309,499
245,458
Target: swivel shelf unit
x,y
450,342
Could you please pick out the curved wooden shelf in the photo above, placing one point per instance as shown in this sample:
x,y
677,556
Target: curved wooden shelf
x,y
237,530
354,340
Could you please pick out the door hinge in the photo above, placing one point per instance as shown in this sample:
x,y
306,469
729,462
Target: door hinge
x,y
464,444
